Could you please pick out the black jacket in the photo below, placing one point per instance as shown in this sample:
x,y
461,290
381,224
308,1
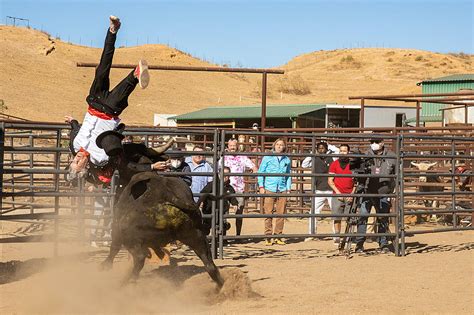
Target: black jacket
x,y
206,201
135,158
321,166
184,168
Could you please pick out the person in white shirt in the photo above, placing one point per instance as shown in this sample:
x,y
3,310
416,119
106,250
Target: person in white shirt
x,y
104,106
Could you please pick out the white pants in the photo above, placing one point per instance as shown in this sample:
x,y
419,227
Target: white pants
x,y
318,205
92,127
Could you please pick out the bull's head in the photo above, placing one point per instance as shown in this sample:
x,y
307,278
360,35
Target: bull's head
x,y
423,167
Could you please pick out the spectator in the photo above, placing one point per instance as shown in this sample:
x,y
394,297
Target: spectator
x,y
199,164
207,202
340,185
237,164
279,164
321,166
380,165
242,146
177,164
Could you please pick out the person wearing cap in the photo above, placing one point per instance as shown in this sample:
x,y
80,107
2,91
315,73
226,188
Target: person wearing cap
x,y
379,165
104,106
177,164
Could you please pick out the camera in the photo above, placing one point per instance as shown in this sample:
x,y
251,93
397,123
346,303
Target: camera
x,y
360,166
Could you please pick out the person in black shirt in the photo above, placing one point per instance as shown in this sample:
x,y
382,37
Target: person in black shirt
x,y
177,164
321,166
206,201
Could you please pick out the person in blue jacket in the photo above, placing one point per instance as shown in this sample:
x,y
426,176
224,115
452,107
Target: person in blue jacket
x,y
279,164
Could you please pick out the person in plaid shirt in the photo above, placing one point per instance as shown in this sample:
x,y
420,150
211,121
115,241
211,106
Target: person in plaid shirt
x,y
238,164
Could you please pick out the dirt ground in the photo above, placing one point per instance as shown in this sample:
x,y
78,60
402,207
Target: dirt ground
x,y
436,276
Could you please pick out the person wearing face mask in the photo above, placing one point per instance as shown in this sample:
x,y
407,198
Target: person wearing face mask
x,y
280,164
176,163
340,185
206,201
380,165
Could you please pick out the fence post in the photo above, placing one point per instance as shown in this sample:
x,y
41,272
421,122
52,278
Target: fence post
x,y
214,191
398,203
57,166
401,221
221,201
2,153
313,220
453,185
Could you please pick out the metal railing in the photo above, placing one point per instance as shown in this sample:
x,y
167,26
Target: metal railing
x,y
34,156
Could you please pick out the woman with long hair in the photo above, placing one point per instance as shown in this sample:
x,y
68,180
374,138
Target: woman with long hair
x,y
278,164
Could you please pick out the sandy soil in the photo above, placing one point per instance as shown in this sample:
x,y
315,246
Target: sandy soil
x,y
436,276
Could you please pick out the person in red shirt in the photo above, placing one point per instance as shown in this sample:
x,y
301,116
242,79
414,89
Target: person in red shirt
x,y
340,185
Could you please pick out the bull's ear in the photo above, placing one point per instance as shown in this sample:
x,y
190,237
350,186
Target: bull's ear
x,y
139,188
415,164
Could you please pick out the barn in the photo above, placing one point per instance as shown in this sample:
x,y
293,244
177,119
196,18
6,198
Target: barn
x,y
296,116
432,113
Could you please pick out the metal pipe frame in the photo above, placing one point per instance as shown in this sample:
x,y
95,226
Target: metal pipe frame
x,y
411,95
186,68
264,73
400,144
442,98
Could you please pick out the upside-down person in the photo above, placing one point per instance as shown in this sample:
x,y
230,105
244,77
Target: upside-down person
x,y
104,107
128,158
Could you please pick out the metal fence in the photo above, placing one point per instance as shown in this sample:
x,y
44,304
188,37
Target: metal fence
x,y
34,156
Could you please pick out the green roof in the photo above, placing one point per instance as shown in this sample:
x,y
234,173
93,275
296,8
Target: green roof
x,y
450,78
250,112
425,119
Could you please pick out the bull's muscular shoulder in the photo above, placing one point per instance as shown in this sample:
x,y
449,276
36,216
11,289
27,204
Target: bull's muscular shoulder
x,y
160,189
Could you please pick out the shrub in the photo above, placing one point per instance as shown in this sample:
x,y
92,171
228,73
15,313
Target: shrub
x,y
3,107
347,59
418,58
294,84
461,55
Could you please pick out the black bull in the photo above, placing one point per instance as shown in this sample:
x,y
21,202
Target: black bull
x,y
153,211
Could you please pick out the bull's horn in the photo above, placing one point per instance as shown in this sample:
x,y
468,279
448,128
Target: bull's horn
x,y
432,164
166,146
415,164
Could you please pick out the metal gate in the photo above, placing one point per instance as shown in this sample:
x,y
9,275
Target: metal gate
x,y
34,156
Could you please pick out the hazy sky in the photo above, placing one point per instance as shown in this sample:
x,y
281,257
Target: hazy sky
x,y
257,33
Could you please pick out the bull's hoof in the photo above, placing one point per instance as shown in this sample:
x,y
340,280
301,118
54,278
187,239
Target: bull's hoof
x,y
105,265
220,283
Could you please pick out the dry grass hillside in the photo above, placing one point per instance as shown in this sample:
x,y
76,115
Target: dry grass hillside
x,y
40,80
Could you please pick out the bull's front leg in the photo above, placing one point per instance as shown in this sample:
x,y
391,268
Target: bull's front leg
x,y
115,247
